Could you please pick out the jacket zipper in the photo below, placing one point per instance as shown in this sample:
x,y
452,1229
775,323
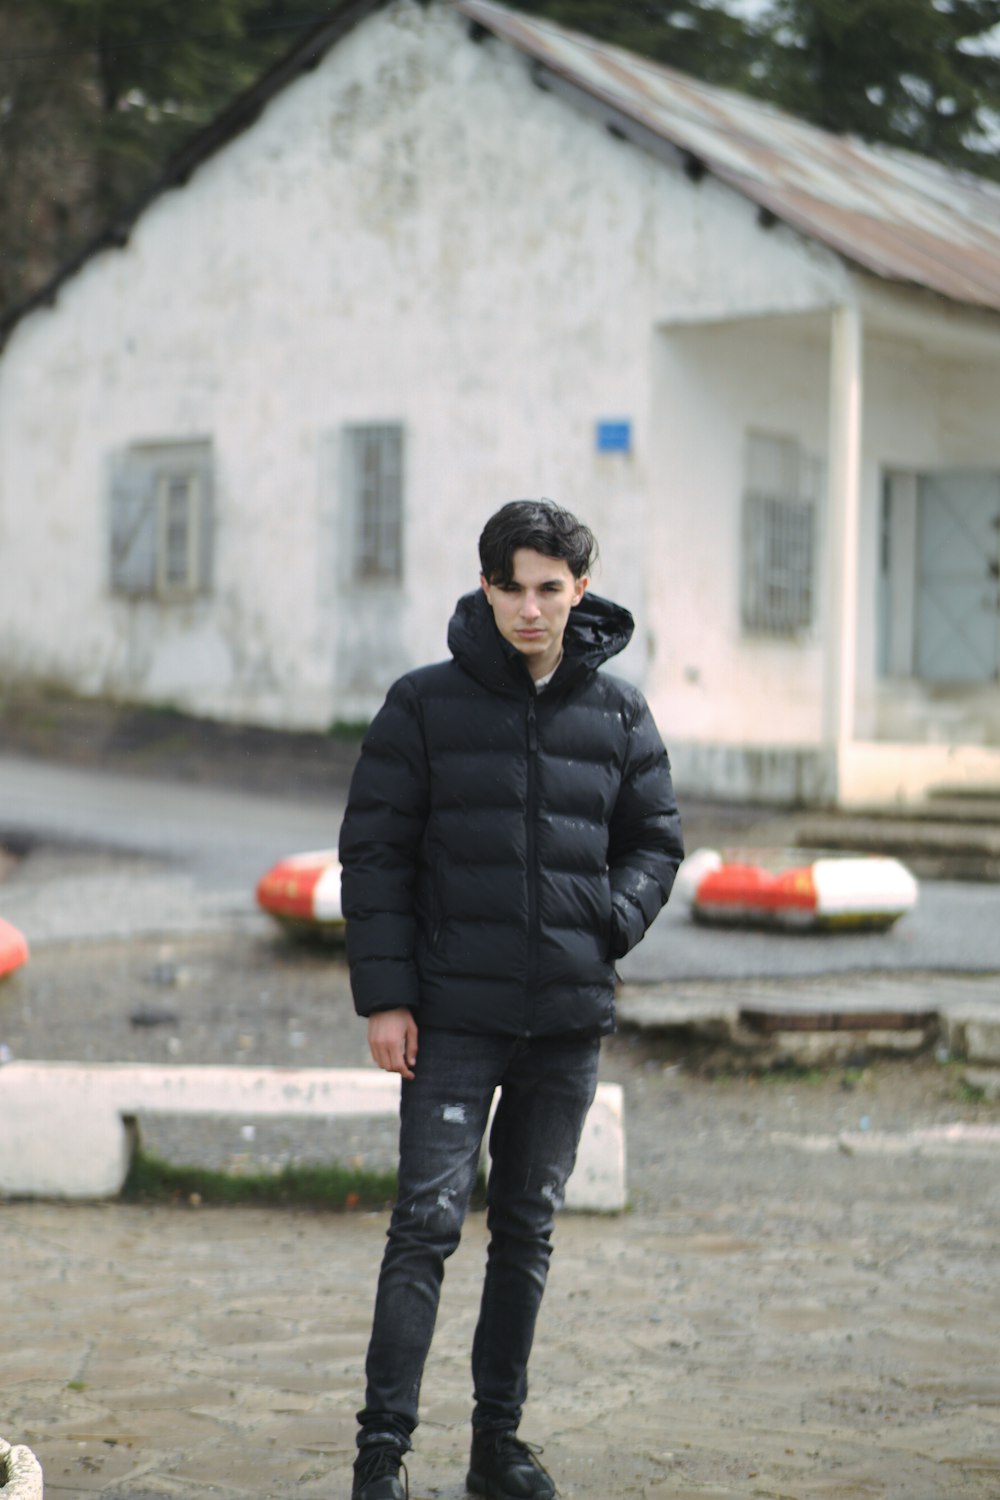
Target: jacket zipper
x,y
532,859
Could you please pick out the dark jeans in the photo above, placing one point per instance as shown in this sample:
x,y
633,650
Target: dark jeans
x,y
547,1085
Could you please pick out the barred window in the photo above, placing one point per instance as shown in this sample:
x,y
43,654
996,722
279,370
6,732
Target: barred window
x,y
780,536
161,521
374,479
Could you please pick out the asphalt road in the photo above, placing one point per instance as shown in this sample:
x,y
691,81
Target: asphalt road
x,y
954,928
118,855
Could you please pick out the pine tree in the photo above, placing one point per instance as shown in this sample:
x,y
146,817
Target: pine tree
x,y
94,97
45,177
158,69
913,73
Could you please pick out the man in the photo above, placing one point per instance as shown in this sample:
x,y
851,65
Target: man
x,y
511,831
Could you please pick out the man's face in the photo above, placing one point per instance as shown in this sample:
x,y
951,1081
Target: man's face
x,y
532,610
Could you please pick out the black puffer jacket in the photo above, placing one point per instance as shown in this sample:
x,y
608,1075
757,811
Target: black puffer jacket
x,y
502,847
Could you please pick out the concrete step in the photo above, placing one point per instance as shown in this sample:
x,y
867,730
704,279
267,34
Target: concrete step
x,y
964,807
932,848
825,1021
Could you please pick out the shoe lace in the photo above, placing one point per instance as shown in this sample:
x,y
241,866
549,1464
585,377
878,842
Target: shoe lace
x,y
511,1444
380,1461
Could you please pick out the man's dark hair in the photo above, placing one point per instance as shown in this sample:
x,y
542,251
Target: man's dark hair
x,y
541,525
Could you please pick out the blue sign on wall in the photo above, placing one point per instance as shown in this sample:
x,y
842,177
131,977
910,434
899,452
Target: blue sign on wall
x,y
614,437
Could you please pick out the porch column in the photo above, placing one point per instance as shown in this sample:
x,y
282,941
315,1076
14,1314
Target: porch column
x,y
843,507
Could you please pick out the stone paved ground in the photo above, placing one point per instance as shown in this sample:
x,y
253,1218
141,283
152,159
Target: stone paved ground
x,y
780,1324
781,1314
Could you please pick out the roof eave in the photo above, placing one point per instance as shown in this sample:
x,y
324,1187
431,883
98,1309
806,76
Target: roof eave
x,y
628,121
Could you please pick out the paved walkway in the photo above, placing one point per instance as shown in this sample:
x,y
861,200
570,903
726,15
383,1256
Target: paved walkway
x,y
799,1324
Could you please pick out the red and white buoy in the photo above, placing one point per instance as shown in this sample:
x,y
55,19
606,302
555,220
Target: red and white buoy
x,y
791,888
13,948
302,892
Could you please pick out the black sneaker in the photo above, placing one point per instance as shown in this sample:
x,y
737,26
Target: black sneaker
x,y
503,1468
376,1472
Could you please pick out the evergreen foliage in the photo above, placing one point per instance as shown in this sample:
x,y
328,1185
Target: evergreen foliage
x,y
95,95
913,73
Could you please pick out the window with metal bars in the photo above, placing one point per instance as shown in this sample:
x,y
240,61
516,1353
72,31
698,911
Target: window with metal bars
x,y
374,474
781,500
161,521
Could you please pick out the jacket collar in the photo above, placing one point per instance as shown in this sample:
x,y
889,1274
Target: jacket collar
x,y
597,630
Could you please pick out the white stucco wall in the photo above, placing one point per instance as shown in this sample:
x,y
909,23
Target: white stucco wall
x,y
714,384
413,232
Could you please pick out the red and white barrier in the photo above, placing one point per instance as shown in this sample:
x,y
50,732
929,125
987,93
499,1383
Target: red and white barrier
x,y
793,889
13,948
303,891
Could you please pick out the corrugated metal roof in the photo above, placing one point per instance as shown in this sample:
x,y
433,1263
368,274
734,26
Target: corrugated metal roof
x,y
900,216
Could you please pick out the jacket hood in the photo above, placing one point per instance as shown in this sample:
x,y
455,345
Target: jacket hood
x,y
597,629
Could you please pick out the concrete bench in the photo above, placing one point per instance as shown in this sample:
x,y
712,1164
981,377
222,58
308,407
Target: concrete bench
x,y
68,1130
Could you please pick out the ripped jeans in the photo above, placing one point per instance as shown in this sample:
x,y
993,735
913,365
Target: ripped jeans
x,y
547,1085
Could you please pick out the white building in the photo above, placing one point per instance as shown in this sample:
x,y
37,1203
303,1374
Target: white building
x,y
445,255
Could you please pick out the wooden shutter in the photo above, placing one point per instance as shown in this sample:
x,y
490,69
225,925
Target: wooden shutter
x,y
133,526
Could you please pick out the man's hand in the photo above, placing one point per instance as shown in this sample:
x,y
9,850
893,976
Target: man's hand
x,y
392,1040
